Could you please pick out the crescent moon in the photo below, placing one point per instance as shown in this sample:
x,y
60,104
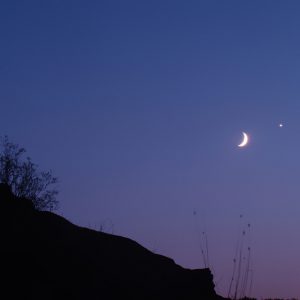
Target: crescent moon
x,y
245,140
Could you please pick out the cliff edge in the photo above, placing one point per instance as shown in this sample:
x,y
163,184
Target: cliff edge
x,y
44,256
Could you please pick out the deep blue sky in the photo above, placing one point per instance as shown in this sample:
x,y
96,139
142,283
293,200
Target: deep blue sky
x,y
137,107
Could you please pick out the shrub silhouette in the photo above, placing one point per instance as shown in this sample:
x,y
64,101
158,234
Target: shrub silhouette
x,y
24,179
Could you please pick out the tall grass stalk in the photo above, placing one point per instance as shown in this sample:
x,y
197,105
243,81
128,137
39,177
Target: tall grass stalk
x,y
242,275
203,241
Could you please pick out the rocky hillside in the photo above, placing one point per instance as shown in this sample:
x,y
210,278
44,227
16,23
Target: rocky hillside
x,y
44,256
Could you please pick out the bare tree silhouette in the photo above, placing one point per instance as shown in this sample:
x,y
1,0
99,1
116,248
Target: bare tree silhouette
x,y
23,177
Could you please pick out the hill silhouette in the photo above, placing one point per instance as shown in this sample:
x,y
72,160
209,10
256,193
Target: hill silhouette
x,y
44,256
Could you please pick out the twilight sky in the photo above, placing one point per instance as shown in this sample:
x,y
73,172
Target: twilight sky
x,y
138,107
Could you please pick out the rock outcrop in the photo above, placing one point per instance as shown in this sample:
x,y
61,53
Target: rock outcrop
x,y
44,256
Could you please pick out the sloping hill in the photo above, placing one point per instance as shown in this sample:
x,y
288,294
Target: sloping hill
x,y
44,256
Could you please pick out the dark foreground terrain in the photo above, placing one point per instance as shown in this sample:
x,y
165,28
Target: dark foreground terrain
x,y
43,256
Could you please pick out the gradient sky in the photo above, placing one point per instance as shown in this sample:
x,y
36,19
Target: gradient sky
x,y
138,107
